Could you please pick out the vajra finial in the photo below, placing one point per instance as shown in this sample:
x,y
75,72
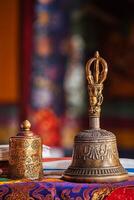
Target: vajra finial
x,y
98,75
95,78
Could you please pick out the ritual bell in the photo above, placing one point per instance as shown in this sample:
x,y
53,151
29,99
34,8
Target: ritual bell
x,y
95,155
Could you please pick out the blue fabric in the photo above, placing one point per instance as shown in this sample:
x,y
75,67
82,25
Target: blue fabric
x,y
57,189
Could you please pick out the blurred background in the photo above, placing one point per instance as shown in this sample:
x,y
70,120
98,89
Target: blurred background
x,y
44,46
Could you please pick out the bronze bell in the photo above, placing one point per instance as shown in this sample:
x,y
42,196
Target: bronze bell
x,y
95,154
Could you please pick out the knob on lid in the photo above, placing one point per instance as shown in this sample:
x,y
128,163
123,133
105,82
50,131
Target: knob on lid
x,y
26,125
25,129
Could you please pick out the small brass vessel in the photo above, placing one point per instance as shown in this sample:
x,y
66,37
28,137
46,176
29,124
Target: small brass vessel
x,y
25,154
95,154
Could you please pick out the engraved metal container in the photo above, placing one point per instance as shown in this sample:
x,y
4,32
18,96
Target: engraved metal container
x,y
25,154
95,154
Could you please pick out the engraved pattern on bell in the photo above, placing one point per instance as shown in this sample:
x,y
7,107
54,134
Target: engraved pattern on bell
x,y
98,151
91,135
95,171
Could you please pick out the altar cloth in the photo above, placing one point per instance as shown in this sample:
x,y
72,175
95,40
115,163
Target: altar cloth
x,y
57,189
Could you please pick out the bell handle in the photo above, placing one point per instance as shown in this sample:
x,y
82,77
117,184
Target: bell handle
x,y
96,73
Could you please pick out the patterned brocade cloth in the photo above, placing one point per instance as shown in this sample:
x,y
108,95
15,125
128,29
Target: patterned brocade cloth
x,y
56,189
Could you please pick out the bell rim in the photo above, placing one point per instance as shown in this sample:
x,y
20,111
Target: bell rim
x,y
96,179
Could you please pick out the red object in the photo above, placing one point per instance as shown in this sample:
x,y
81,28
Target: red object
x,y
122,193
47,125
27,23
55,159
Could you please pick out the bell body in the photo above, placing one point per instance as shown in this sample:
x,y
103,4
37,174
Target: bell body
x,y
25,156
95,158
